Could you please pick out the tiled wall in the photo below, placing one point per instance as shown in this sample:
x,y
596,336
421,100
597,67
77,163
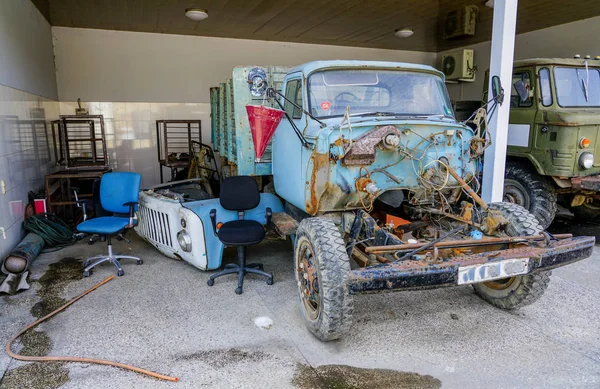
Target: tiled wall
x,y
25,156
131,132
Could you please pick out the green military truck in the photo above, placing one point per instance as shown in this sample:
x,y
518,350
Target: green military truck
x,y
554,137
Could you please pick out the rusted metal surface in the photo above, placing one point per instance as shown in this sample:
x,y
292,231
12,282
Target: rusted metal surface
x,y
586,183
467,188
19,259
319,184
364,148
284,224
412,274
463,243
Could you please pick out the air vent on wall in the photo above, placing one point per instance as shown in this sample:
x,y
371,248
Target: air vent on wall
x,y
460,22
459,65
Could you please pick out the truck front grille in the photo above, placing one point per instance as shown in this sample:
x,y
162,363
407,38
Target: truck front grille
x,y
155,226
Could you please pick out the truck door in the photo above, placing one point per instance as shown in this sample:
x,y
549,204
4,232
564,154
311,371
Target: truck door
x,y
522,115
287,148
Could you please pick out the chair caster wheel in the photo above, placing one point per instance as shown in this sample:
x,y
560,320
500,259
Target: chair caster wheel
x,y
86,273
139,262
238,290
120,273
210,282
270,281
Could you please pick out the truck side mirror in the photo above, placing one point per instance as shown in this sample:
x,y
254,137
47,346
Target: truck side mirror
x,y
522,90
497,90
257,82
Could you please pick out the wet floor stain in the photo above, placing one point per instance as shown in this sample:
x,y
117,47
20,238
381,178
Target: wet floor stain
x,y
53,284
47,375
348,377
38,375
35,343
224,357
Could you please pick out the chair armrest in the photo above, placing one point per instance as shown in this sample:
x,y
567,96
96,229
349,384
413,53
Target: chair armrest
x,y
131,205
268,215
213,220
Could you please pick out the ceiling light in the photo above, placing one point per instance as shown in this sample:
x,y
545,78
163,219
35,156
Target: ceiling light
x,y
489,3
404,33
196,13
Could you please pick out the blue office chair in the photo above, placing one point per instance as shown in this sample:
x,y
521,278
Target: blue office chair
x,y
240,193
119,195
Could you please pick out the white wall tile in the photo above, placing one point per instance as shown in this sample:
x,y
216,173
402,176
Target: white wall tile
x,y
131,131
22,165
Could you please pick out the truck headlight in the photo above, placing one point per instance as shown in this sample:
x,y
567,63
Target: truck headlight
x,y
185,241
586,160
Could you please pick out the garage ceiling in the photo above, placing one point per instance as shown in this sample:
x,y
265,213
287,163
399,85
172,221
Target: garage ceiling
x,y
364,23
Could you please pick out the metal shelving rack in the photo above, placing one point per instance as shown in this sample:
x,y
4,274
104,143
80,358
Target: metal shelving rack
x,y
174,144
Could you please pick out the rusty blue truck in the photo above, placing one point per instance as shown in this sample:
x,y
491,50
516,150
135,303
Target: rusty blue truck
x,y
377,187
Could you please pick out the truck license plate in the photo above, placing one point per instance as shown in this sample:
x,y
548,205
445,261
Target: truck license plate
x,y
492,271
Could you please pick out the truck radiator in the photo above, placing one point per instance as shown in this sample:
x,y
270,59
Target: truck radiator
x,y
155,226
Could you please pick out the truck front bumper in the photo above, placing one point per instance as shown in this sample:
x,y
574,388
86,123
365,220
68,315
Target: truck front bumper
x,y
411,275
587,183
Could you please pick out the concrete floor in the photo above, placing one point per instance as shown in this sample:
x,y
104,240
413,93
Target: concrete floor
x,y
162,316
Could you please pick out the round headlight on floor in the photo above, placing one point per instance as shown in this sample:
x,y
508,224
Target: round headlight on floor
x,y
185,241
586,160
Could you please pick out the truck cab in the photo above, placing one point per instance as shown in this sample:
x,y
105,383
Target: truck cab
x,y
361,121
554,137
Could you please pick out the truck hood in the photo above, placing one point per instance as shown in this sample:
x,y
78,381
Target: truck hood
x,y
572,117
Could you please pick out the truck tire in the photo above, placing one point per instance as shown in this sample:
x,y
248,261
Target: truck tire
x,y
322,268
523,186
515,292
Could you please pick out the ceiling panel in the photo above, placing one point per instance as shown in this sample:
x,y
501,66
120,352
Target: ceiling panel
x,y
363,23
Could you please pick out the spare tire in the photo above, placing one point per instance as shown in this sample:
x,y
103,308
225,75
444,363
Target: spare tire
x,y
515,292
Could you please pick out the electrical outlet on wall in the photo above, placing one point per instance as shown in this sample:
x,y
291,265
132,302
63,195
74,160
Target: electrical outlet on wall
x,y
2,187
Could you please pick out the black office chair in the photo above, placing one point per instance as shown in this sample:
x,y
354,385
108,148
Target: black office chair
x,y
240,194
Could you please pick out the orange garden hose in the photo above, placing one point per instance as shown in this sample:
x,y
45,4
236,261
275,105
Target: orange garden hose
x,y
78,359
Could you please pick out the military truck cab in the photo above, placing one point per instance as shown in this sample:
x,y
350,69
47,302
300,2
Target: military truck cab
x,y
553,137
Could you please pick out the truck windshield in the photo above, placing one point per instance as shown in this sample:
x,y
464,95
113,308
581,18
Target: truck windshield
x,y
390,92
577,87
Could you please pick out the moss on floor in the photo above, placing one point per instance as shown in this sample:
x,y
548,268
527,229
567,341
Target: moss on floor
x,y
53,284
349,377
38,375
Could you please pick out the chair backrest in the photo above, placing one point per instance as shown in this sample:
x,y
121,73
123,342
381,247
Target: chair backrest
x,y
119,188
239,193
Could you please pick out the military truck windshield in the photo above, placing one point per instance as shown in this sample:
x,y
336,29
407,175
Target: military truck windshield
x,y
577,87
391,92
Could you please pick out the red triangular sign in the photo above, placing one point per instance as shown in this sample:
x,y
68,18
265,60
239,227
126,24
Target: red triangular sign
x,y
263,122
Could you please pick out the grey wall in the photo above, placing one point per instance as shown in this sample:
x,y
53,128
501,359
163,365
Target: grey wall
x,y
27,99
111,66
26,55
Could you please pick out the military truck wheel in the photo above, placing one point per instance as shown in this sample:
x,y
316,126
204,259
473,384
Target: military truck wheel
x,y
515,292
523,186
587,211
322,268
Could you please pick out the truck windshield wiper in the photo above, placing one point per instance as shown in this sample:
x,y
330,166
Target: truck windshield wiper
x,y
375,113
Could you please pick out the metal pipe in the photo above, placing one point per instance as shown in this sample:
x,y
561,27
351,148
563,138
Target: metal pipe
x,y
467,188
19,259
427,245
458,243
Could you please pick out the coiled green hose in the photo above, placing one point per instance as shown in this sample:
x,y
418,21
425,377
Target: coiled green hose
x,y
53,230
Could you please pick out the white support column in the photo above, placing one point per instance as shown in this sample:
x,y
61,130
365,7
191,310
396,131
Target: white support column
x,y
501,63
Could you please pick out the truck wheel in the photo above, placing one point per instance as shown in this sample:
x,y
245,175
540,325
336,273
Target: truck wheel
x,y
322,269
515,292
525,187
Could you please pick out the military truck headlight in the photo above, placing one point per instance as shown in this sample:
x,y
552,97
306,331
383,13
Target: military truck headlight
x,y
586,160
185,241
